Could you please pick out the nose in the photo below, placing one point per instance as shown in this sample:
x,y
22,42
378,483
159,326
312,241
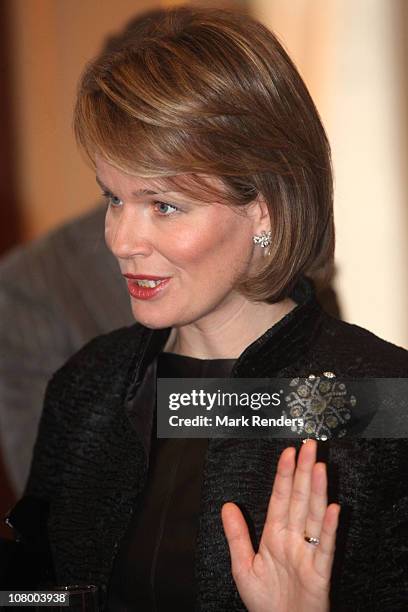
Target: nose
x,y
127,234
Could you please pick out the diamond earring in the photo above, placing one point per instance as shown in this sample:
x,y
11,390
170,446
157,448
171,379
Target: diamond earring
x,y
264,240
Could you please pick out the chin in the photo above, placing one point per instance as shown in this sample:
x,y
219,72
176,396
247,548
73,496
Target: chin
x,y
151,321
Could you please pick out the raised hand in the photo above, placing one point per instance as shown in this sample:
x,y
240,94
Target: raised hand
x,y
287,574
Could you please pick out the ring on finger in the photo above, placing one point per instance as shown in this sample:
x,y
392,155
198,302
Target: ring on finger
x,y
312,540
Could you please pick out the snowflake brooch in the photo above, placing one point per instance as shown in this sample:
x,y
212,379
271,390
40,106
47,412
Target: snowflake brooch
x,y
323,403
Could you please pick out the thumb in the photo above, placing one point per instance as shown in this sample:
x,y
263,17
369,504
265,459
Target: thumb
x,y
239,542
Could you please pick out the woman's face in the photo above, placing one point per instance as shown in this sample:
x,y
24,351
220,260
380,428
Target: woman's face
x,y
195,249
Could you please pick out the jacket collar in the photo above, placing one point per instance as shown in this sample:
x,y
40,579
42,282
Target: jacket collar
x,y
286,341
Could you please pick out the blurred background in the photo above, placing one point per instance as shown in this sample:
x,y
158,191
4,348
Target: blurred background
x,y
352,54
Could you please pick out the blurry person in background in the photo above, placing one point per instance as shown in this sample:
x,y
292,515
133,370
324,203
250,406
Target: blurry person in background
x,y
216,170
55,294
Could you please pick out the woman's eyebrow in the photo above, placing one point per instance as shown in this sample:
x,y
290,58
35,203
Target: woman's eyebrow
x,y
135,193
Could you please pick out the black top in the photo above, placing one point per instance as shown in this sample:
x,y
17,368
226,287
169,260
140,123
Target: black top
x,y
154,569
90,466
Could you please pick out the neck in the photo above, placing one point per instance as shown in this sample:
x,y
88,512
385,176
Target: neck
x,y
227,335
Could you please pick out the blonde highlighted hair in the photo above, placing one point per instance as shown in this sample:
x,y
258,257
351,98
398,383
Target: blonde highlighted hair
x,y
212,93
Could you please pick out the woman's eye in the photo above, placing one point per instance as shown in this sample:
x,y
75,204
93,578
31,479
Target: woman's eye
x,y
111,199
165,209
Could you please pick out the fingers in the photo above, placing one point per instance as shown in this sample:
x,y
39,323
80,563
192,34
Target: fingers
x,y
239,542
301,489
317,501
298,503
278,508
323,559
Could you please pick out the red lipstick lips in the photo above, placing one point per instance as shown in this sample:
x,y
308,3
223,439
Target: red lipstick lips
x,y
141,292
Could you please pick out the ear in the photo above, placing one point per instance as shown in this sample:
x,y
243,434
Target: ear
x,y
259,213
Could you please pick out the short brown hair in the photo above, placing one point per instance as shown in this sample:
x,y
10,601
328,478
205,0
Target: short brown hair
x,y
209,92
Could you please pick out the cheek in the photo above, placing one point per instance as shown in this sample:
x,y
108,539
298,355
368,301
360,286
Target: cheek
x,y
220,247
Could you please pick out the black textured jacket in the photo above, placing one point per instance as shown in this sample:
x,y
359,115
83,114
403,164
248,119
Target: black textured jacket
x,y
91,460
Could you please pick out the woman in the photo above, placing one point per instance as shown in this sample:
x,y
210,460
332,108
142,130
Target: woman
x,y
217,175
